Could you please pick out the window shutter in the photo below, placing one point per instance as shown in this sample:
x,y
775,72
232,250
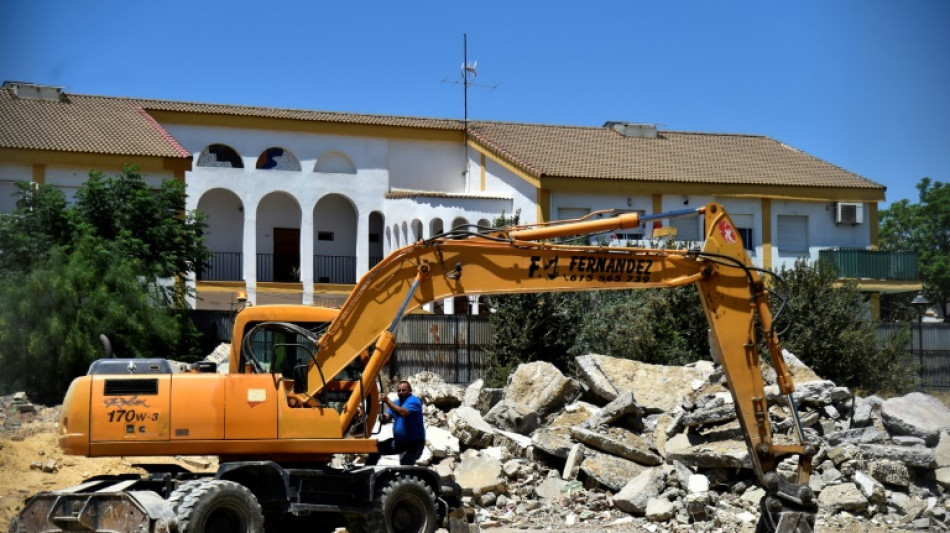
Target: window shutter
x,y
792,234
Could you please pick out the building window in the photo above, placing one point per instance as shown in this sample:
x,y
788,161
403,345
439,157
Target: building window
x,y
325,236
221,156
792,235
277,159
744,225
687,228
374,237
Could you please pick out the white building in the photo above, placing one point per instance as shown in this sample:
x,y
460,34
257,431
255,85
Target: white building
x,y
301,203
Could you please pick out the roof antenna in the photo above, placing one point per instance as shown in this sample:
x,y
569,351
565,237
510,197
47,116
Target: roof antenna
x,y
469,70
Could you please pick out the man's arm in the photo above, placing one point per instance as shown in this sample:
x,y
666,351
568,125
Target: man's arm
x,y
396,409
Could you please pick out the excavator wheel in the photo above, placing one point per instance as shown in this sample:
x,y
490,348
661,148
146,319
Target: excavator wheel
x,y
218,506
405,505
178,495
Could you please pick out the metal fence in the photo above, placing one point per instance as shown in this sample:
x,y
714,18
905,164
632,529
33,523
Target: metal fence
x,y
223,266
930,344
334,269
451,346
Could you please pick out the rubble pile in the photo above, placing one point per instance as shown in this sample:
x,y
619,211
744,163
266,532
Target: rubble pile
x,y
20,418
660,447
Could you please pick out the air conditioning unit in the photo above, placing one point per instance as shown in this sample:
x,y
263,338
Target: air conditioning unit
x,y
847,213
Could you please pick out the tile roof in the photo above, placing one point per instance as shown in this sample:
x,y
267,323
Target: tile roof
x,y
124,126
402,194
602,153
83,124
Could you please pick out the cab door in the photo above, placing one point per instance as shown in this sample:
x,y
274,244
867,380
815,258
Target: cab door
x,y
250,402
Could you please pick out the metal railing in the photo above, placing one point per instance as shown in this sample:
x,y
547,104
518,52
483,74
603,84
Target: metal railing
x,y
861,263
223,266
334,269
265,267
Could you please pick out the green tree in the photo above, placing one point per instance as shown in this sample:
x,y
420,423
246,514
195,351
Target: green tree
x,y
827,325
40,222
530,327
924,227
104,265
659,326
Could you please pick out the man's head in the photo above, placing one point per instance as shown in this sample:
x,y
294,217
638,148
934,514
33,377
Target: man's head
x,y
403,389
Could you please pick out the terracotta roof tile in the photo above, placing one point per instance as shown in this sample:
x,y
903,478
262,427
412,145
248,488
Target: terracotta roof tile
x,y
577,152
124,126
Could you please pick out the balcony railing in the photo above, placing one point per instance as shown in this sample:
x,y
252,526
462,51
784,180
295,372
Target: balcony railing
x,y
861,263
227,266
334,269
223,266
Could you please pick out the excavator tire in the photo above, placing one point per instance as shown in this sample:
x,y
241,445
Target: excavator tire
x,y
178,495
408,506
218,506
405,505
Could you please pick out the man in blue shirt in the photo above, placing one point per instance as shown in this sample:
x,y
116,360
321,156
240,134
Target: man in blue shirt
x,y
409,432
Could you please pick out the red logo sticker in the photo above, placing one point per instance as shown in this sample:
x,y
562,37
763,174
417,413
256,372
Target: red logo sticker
x,y
727,232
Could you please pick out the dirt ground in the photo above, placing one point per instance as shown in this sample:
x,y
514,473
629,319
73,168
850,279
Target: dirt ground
x,y
25,451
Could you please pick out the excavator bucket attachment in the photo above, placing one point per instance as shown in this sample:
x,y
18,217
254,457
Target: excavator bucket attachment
x,y
779,516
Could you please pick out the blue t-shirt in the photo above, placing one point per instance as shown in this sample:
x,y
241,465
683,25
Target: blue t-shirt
x,y
410,427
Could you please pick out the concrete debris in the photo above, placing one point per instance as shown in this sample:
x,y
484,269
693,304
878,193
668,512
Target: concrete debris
x,y
660,448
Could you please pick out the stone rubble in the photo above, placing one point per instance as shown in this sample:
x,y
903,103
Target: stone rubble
x,y
656,448
660,448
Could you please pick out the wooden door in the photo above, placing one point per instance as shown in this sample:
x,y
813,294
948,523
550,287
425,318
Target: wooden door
x,y
286,254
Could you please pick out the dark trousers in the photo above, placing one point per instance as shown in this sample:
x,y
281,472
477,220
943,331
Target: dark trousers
x,y
409,452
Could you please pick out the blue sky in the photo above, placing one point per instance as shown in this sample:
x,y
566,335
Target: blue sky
x,y
863,84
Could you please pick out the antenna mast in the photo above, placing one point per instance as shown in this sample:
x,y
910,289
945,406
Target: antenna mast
x,y
466,69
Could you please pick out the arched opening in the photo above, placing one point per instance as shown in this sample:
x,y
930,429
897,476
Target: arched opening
x,y
224,235
459,221
416,235
375,240
334,163
276,158
334,240
219,155
278,238
436,227
397,237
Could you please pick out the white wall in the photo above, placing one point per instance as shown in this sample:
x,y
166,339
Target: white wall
x,y
427,166
9,175
501,181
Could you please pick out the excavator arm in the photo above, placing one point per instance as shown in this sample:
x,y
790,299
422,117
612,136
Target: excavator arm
x,y
530,260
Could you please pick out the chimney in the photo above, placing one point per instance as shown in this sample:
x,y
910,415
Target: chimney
x,y
34,91
629,129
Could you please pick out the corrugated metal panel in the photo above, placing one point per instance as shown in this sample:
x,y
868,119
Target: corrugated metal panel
x,y
452,346
930,344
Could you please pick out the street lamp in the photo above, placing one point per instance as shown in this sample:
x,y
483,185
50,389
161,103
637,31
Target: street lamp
x,y
920,303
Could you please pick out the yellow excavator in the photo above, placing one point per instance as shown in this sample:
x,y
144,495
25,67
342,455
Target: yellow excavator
x,y
302,386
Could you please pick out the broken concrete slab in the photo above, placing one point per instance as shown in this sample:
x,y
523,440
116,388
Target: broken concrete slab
x,y
619,442
657,388
916,414
540,387
470,428
727,454
609,470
